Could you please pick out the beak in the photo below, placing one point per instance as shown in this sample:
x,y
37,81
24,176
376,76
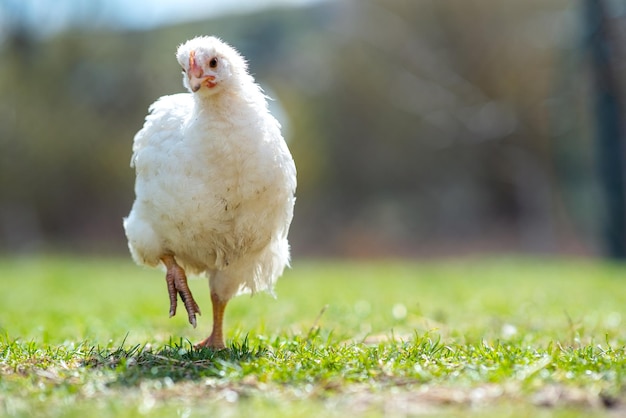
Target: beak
x,y
196,75
197,82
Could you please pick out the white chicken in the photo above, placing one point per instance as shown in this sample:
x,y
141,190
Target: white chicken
x,y
215,184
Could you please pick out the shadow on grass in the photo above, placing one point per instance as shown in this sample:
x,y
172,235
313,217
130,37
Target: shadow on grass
x,y
176,361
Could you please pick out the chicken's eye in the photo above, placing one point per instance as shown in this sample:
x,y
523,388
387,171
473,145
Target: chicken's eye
x,y
213,62
184,71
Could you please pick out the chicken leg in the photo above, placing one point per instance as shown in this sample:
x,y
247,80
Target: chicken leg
x,y
177,284
216,339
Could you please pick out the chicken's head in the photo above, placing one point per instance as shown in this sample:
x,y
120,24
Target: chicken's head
x,y
209,64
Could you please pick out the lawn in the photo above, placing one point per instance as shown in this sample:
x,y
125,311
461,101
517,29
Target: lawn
x,y
487,337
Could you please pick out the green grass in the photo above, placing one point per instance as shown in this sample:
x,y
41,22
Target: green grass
x,y
512,337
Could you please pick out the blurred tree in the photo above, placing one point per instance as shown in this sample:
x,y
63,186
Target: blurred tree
x,y
417,127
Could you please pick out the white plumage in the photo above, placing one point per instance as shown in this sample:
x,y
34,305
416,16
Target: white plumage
x,y
215,183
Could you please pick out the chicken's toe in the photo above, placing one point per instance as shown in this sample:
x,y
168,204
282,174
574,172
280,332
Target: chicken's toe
x,y
190,305
177,285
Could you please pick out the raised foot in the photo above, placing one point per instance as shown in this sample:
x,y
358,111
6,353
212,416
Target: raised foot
x,y
177,285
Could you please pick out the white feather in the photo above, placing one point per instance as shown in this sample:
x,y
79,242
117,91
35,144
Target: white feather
x,y
215,186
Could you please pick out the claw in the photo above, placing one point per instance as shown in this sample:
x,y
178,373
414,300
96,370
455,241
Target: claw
x,y
190,305
177,285
171,289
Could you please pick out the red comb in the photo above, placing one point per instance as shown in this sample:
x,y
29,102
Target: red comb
x,y
194,69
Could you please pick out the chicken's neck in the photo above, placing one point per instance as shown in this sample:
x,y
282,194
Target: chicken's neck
x,y
230,104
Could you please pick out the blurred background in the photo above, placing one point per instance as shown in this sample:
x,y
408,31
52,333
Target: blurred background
x,y
419,128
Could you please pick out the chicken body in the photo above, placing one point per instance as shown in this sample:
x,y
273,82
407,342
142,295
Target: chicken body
x,y
215,184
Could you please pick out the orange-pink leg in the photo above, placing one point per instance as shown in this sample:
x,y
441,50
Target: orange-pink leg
x,y
177,285
216,339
